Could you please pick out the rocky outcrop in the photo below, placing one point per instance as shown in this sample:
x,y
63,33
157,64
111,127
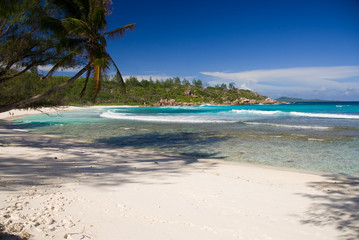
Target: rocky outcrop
x,y
166,102
240,101
270,101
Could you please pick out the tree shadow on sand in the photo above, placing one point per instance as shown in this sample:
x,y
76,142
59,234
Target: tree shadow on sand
x,y
99,164
8,236
184,143
336,205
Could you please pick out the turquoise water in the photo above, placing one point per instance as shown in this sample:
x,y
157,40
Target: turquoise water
x,y
320,137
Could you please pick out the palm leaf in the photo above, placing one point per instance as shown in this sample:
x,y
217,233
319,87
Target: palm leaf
x,y
100,56
102,62
98,18
66,60
102,41
120,32
84,8
71,43
76,26
70,7
118,73
86,81
51,23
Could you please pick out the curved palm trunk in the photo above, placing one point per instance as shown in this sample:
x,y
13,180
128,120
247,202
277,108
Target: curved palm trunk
x,y
45,94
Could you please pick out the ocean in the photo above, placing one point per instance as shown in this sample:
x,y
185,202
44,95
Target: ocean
x,y
318,137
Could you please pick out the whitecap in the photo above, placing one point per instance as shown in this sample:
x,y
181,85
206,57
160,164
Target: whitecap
x,y
19,130
258,112
161,118
324,115
290,126
316,139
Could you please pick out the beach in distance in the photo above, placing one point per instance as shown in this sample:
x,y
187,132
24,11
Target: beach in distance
x,y
206,172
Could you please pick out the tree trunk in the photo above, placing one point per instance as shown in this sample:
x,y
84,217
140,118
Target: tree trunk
x,y
45,94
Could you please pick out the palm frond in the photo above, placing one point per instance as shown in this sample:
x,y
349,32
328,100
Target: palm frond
x,y
100,56
76,26
71,43
118,73
120,32
98,18
63,61
102,40
51,23
84,8
86,81
69,7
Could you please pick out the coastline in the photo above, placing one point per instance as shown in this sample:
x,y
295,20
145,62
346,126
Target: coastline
x,y
57,188
18,113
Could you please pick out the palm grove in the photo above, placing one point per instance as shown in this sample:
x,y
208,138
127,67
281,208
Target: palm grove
x,y
63,33
73,33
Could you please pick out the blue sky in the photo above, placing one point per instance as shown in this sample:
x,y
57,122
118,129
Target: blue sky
x,y
307,49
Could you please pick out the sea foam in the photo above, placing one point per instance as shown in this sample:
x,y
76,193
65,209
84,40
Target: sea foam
x,y
289,126
258,112
159,118
296,114
324,115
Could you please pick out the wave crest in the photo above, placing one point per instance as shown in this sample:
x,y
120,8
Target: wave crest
x,y
258,112
324,115
163,118
289,126
296,114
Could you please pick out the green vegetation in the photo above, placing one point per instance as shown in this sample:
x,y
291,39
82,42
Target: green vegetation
x,y
73,33
23,44
149,92
78,37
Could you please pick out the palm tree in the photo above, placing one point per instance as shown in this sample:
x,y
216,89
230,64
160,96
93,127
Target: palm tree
x,y
84,25
23,46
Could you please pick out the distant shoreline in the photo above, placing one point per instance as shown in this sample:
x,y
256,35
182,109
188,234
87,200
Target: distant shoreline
x,y
291,100
19,113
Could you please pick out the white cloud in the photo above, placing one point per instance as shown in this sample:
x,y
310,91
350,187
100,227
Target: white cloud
x,y
324,81
147,77
156,77
47,68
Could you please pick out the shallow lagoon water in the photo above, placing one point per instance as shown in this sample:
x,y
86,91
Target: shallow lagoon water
x,y
319,137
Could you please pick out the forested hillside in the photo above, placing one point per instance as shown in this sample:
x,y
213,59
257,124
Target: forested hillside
x,y
149,92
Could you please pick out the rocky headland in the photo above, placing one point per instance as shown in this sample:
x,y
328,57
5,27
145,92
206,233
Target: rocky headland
x,y
239,101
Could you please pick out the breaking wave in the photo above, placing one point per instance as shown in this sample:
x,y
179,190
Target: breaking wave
x,y
324,115
162,118
297,114
289,126
258,112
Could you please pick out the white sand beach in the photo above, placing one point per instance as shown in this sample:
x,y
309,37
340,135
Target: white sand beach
x,y
16,113
53,188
